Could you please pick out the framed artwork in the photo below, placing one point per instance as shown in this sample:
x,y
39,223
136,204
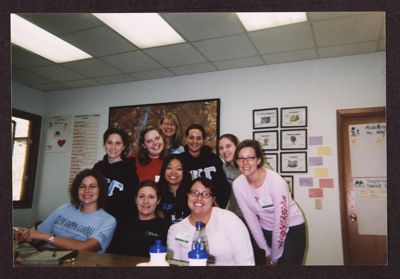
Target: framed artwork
x,y
265,118
268,139
293,117
272,160
294,139
289,181
134,118
293,162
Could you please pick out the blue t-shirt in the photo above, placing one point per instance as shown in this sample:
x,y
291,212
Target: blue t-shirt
x,y
69,222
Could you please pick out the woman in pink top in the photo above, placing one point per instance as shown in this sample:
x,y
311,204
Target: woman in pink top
x,y
275,220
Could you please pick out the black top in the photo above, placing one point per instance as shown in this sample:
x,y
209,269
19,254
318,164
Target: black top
x,y
138,236
209,165
122,185
174,211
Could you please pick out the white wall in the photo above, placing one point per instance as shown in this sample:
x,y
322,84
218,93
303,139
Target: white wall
x,y
323,86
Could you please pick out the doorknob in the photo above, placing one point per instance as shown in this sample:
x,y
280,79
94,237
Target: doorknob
x,y
353,217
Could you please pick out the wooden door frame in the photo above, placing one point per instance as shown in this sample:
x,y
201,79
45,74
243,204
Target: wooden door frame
x,y
340,115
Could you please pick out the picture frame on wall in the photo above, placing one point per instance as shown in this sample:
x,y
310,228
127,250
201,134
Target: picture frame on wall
x,y
268,139
134,118
293,139
293,162
290,181
293,117
265,118
272,160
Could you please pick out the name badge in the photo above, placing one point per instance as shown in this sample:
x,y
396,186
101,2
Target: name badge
x,y
266,202
183,237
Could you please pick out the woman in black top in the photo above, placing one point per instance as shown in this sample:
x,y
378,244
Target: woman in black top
x,y
202,162
173,184
141,233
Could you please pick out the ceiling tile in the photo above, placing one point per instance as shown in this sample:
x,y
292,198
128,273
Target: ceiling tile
x,y
329,15
161,73
26,77
27,59
285,38
99,41
81,83
226,48
132,62
57,73
350,49
200,26
176,55
61,23
193,69
297,55
382,45
51,86
115,79
348,29
91,68
239,63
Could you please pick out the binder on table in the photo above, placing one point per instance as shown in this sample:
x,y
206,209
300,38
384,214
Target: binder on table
x,y
49,257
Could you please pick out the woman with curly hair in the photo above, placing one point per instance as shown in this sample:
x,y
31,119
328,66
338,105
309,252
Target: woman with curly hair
x,y
81,224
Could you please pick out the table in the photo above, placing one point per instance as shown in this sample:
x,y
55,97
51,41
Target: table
x,y
94,259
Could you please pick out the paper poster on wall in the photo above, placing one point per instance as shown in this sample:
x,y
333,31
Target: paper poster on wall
x,y
368,144
84,143
371,205
58,137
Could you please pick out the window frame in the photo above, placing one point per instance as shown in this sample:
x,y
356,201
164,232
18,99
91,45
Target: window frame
x,y
32,157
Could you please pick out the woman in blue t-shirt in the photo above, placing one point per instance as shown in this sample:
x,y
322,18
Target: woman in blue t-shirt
x,y
81,224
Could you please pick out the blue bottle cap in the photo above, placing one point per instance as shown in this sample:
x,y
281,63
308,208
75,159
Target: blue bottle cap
x,y
197,253
199,225
158,248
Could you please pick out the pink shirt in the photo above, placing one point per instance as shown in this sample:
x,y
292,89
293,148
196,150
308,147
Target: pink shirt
x,y
269,207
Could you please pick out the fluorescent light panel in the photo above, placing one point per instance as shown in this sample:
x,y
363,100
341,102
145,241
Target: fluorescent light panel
x,y
256,21
142,29
43,43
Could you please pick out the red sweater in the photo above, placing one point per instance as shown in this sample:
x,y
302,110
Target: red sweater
x,y
151,171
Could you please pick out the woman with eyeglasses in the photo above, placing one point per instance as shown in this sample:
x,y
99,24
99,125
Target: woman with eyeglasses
x,y
275,220
228,239
172,132
202,161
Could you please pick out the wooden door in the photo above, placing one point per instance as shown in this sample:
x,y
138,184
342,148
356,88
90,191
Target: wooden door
x,y
363,185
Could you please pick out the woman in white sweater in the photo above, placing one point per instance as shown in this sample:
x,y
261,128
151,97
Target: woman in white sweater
x,y
228,238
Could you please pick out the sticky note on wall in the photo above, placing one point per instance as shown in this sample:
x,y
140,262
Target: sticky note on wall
x,y
315,140
306,181
318,203
316,193
326,183
315,161
321,172
324,151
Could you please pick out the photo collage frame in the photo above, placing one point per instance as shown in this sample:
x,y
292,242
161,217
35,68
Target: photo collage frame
x,y
284,132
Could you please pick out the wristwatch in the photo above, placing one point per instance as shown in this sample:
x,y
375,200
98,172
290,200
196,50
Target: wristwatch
x,y
51,239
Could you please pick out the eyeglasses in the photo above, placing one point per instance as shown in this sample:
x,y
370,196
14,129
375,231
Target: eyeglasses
x,y
247,159
196,193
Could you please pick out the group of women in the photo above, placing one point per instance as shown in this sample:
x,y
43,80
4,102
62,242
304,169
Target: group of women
x,y
127,201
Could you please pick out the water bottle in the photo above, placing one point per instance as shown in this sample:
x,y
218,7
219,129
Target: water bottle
x,y
197,257
158,254
200,237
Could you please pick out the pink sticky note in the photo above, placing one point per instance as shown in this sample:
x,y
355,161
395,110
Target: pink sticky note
x,y
316,193
326,183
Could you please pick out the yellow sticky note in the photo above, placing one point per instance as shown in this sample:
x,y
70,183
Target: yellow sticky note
x,y
324,150
321,172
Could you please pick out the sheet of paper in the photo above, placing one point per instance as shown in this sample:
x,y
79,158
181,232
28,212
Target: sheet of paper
x,y
324,151
306,181
321,172
326,183
315,140
316,193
